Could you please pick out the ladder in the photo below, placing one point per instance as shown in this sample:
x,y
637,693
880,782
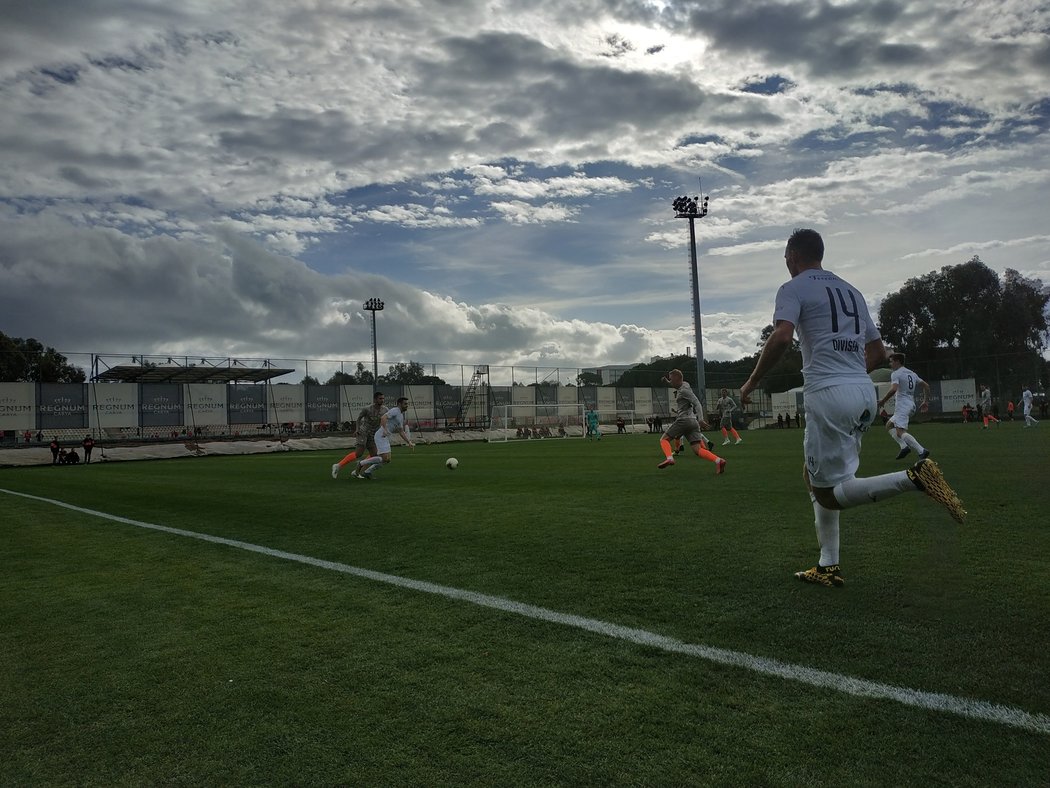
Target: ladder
x,y
477,390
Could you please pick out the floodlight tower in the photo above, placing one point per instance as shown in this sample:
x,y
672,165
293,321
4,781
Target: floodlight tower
x,y
374,305
693,208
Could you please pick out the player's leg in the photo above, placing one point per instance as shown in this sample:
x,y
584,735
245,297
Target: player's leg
x,y
833,453
698,444
826,523
896,434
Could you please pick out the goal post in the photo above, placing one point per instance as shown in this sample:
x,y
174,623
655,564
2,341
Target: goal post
x,y
531,421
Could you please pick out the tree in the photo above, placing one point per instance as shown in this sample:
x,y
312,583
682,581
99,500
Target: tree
x,y
786,374
27,360
309,380
589,379
362,377
962,321
410,374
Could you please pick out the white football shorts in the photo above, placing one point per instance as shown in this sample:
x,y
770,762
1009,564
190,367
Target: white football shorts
x,y
382,441
901,418
836,420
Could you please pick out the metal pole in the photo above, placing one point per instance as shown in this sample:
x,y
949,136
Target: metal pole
x,y
375,353
701,383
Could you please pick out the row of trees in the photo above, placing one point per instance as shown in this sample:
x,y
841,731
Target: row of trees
x,y
964,321
27,360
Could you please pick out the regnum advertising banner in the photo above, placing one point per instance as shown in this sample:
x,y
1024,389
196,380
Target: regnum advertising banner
x,y
286,403
499,395
606,400
160,405
246,404
113,405
447,401
322,403
205,405
420,403
643,401
61,406
661,401
625,400
18,406
353,399
949,396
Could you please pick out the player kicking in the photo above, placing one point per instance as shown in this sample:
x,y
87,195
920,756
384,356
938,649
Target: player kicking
x,y
393,421
368,421
840,345
687,423
904,383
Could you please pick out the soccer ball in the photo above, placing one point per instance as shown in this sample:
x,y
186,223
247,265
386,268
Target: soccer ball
x,y
452,463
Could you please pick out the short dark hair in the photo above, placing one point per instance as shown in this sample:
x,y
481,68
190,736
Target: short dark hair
x,y
898,357
402,399
377,395
808,244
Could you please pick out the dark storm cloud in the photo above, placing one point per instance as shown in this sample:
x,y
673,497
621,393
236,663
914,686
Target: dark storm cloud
x,y
823,38
536,88
55,32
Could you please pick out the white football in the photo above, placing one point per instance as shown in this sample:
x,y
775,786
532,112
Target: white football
x,y
452,463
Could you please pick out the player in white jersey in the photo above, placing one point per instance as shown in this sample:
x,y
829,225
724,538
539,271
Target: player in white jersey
x,y
391,422
903,391
687,423
1026,400
840,345
726,405
984,403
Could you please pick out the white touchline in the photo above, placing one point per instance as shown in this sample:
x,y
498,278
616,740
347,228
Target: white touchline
x,y
933,701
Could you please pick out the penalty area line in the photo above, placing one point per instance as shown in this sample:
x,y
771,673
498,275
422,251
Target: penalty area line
x,y
822,679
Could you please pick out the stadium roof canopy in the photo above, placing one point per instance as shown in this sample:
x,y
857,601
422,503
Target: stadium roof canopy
x,y
134,373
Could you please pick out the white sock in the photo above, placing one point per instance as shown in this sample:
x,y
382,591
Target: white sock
x,y
827,524
912,443
898,441
365,464
855,492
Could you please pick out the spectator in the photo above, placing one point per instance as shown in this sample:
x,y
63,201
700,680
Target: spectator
x,y
89,444
55,451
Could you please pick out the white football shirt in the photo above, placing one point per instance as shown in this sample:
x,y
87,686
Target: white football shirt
x,y
833,325
907,381
394,419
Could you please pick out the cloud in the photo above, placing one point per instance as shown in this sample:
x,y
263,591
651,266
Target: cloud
x,y
228,177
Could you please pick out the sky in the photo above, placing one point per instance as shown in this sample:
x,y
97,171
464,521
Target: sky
x,y
235,179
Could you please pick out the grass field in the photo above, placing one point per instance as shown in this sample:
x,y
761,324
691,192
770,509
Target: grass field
x,y
134,656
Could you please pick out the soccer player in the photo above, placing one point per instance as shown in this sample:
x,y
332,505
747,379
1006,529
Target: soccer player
x,y
903,390
985,401
391,422
840,346
687,423
367,424
726,405
1026,401
592,425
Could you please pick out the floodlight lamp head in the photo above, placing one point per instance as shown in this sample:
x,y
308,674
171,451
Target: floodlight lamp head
x,y
374,305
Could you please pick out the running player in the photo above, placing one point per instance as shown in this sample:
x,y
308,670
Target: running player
x,y
726,405
688,420
904,383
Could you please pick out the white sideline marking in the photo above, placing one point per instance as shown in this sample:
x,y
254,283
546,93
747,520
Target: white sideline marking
x,y
932,701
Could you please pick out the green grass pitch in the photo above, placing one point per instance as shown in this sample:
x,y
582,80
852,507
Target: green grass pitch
x,y
135,657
